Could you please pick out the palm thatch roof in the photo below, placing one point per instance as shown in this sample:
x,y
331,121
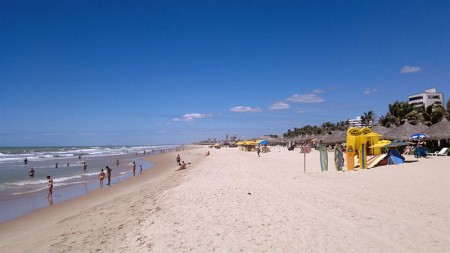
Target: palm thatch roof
x,y
381,129
335,137
439,131
404,131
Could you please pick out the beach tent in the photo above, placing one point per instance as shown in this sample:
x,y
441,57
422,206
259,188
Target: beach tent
x,y
358,136
394,157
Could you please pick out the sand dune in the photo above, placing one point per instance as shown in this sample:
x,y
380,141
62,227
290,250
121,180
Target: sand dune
x,y
234,201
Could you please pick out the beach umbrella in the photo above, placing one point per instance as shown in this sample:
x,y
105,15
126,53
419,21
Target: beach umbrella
x,y
381,144
263,142
418,136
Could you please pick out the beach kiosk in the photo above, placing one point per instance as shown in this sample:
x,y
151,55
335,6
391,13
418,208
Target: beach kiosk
x,y
358,141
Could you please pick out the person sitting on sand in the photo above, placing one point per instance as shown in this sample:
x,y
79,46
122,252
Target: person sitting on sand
x,y
31,172
207,153
182,167
101,176
50,186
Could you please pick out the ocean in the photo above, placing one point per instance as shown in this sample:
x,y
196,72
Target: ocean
x,y
21,194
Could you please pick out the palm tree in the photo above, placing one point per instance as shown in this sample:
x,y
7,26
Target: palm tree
x,y
399,113
432,114
447,112
367,119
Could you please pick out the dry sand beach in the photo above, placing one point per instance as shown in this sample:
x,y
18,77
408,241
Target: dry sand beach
x,y
234,201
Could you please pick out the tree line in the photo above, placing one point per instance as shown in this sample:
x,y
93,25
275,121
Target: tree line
x,y
398,113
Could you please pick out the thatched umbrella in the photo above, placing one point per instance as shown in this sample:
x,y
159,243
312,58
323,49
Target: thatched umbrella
x,y
381,129
404,131
439,131
335,137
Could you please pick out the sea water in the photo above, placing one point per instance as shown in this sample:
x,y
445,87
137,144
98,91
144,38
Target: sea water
x,y
21,194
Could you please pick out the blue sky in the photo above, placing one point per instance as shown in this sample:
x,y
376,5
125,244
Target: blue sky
x,y
148,72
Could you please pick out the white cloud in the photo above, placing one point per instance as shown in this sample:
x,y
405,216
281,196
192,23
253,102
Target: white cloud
x,y
368,91
189,117
410,69
317,91
307,98
245,109
279,106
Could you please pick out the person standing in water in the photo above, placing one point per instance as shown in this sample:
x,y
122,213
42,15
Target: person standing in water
x,y
50,187
31,172
133,168
140,169
101,175
84,166
108,174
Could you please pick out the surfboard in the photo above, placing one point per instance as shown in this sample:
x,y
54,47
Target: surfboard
x,y
350,158
338,157
373,161
323,157
362,157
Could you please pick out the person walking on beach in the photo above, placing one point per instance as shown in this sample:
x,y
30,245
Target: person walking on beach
x,y
178,159
50,187
117,162
108,174
140,169
84,166
31,172
101,176
258,150
133,168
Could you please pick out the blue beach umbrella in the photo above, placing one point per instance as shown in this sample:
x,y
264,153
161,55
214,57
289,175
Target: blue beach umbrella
x,y
416,137
264,142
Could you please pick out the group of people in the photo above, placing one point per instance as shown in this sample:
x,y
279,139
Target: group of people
x,y
101,176
180,163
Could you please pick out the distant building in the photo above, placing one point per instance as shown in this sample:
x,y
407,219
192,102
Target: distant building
x,y
427,98
355,122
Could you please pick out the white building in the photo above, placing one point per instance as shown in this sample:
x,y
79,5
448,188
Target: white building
x,y
427,98
355,122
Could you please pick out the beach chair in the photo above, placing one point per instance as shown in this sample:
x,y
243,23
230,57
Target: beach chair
x,y
443,152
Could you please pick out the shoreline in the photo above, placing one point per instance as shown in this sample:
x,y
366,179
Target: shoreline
x,y
29,203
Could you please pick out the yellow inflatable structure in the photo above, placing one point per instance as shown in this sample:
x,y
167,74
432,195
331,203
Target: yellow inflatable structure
x,y
361,139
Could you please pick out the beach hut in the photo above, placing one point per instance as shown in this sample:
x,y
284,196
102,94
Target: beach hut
x,y
335,137
381,129
439,131
404,131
